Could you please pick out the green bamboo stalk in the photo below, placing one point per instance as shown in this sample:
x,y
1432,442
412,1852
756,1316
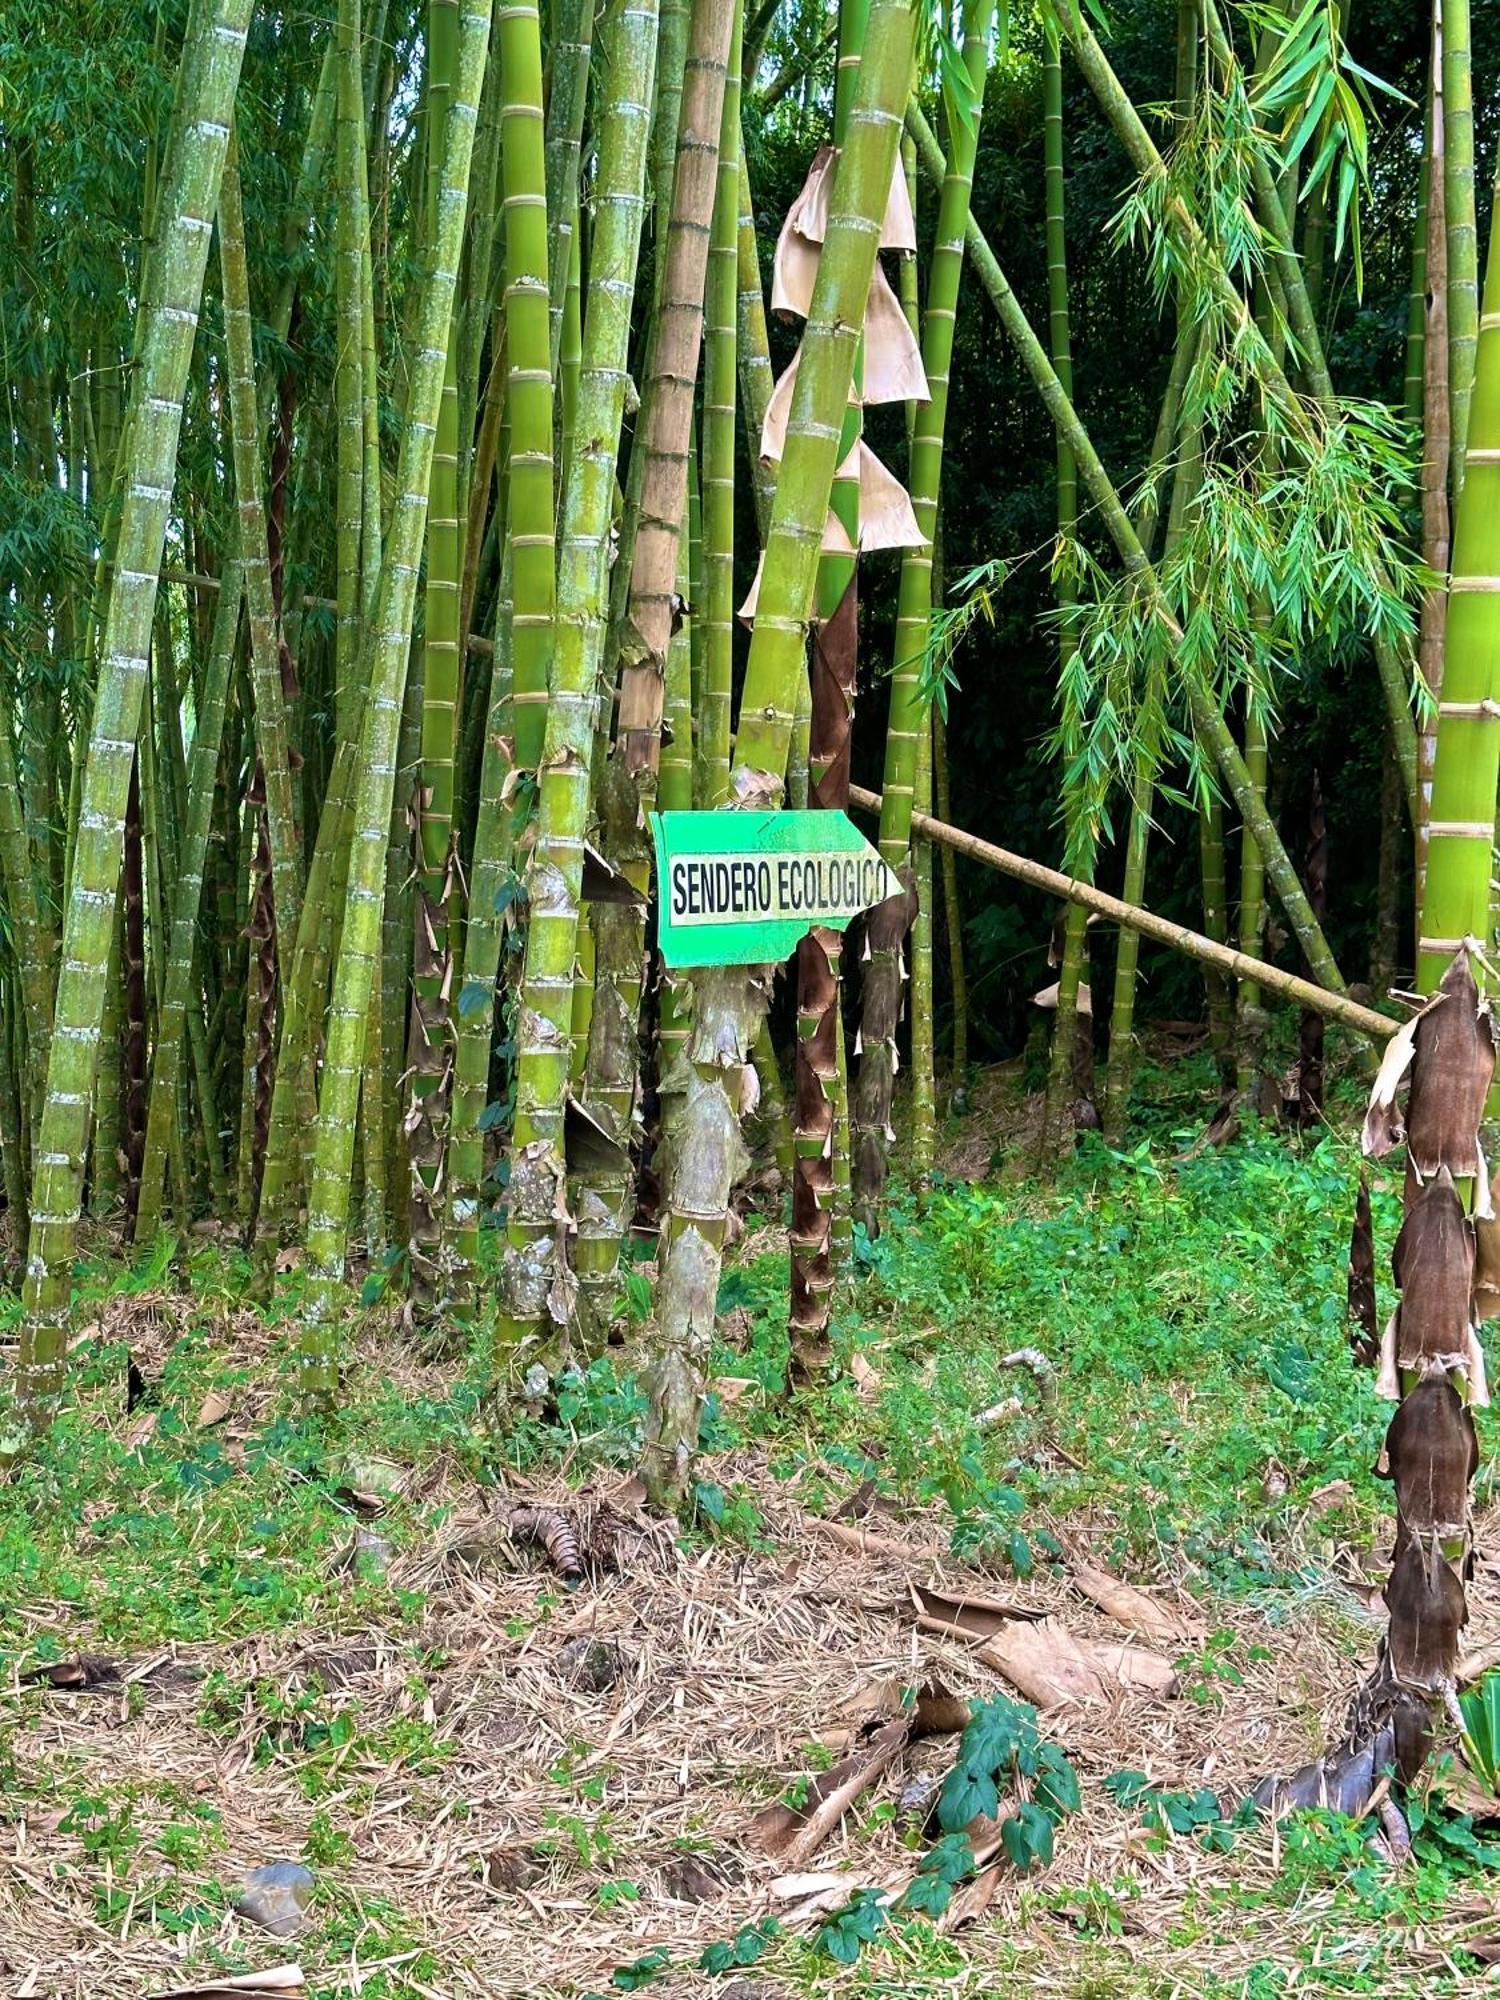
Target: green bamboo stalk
x,y
12,1124
1460,227
34,946
923,1036
169,312
1465,772
349,391
430,1048
532,559
177,994
908,718
534,1288
728,1004
572,49
711,742
1057,1122
271,735
388,651
1440,474
752,343
655,641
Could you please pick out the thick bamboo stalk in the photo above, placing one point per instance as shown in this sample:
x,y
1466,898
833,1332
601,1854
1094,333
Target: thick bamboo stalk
x,y
387,653
728,1004
266,661
169,313
535,1286
1066,1074
531,555
1334,1006
572,48
756,376
1459,227
1435,416
1461,831
430,1043
711,738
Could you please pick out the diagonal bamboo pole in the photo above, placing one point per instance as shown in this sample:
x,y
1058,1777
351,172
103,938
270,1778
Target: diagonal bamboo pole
x,y
1192,944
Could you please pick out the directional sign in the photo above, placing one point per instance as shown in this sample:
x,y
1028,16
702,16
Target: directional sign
x,y
740,888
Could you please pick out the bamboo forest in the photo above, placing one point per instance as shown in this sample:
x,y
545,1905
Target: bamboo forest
x,y
749,927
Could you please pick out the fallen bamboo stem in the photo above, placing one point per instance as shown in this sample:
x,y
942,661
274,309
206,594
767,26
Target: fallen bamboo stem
x,y
1192,944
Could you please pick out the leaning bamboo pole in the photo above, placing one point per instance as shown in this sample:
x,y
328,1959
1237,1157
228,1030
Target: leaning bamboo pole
x,y
1192,944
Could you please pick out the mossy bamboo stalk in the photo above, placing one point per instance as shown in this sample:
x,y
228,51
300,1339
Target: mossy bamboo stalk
x,y
387,650
728,1004
535,1289
430,1046
169,316
178,996
271,734
752,345
711,739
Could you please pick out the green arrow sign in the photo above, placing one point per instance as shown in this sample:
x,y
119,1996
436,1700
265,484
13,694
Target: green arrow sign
x,y
741,888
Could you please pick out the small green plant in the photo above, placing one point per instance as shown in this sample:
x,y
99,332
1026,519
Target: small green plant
x,y
850,1929
105,1829
941,1869
1204,1675
641,1971
747,1945
1167,1813
1002,1752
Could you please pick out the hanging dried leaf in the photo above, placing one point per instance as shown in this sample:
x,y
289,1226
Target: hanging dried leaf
x,y
1433,1263
1451,1076
1432,1453
1425,1599
886,519
1384,1127
1364,1321
893,371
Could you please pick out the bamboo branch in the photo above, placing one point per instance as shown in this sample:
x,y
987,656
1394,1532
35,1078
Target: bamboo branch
x,y
1192,944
